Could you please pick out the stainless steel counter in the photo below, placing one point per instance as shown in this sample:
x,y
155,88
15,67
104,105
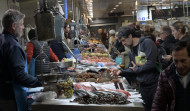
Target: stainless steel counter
x,y
66,105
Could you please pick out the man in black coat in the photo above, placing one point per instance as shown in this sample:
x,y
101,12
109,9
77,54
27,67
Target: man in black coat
x,y
168,40
12,64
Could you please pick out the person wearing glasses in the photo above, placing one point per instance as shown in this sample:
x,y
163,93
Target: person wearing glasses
x,y
168,40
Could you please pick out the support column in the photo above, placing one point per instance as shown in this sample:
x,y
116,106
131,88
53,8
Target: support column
x,y
65,8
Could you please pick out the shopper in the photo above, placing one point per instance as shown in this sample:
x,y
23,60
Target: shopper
x,y
41,52
111,39
67,37
12,64
147,74
118,44
103,37
179,31
173,89
149,31
168,40
58,47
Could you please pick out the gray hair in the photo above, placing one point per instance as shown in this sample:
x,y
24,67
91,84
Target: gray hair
x,y
112,32
166,29
11,16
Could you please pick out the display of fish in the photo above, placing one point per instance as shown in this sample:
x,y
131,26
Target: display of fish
x,y
100,97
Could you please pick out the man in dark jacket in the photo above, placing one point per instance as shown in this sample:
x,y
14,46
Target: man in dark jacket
x,y
146,72
173,91
12,64
58,48
167,38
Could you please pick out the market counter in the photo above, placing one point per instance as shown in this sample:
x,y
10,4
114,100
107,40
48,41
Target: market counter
x,y
66,105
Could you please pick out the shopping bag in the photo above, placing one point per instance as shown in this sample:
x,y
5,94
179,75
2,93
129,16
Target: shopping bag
x,y
76,52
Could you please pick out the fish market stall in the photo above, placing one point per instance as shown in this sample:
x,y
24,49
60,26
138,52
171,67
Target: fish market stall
x,y
88,87
90,96
90,102
65,104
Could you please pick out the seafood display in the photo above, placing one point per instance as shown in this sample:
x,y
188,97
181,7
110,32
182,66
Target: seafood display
x,y
100,97
103,76
95,54
90,84
94,41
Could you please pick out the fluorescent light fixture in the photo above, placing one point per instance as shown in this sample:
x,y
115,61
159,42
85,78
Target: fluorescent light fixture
x,y
90,7
114,8
120,3
136,3
116,5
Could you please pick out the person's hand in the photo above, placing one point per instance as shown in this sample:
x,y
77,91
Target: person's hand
x,y
133,68
167,57
115,72
117,52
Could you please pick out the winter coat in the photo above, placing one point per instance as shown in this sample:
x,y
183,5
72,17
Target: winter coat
x,y
119,46
164,99
186,38
161,52
58,49
12,66
169,44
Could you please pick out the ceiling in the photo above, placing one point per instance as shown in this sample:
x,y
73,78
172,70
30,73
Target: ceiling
x,y
103,8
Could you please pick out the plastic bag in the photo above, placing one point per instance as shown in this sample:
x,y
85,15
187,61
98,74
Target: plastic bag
x,y
76,52
43,96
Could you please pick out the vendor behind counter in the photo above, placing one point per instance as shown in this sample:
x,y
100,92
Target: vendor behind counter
x,y
33,50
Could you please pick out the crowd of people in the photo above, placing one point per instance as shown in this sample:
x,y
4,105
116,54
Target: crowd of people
x,y
160,66
163,78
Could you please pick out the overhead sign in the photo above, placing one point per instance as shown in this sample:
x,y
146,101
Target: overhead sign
x,y
142,15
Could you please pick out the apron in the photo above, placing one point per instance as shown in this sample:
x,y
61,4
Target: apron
x,y
20,94
31,67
